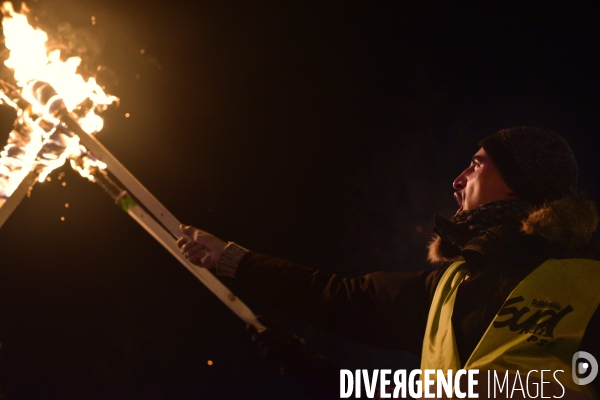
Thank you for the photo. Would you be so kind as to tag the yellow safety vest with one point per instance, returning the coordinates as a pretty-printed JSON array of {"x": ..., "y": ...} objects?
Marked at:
[{"x": 539, "y": 327}]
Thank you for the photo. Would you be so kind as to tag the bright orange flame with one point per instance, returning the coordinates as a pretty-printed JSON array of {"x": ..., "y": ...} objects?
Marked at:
[{"x": 33, "y": 64}]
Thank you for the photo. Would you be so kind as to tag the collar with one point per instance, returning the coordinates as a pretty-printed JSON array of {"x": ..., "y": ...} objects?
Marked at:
[{"x": 458, "y": 240}]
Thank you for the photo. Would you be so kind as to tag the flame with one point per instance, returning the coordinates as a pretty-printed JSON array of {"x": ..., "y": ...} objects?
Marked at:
[
  {"x": 32, "y": 62},
  {"x": 43, "y": 79}
]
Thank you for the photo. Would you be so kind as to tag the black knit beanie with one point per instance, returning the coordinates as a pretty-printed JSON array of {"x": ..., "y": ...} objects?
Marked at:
[{"x": 537, "y": 164}]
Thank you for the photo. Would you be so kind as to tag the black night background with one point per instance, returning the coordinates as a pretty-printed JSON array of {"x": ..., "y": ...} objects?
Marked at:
[{"x": 327, "y": 133}]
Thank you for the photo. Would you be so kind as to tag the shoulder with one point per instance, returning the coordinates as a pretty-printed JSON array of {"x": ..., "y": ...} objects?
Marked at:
[{"x": 569, "y": 222}]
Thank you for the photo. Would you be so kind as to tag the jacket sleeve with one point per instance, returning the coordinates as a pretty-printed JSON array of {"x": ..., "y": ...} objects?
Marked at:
[{"x": 382, "y": 309}]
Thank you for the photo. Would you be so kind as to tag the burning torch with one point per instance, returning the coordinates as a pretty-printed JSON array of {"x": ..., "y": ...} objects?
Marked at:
[{"x": 56, "y": 119}]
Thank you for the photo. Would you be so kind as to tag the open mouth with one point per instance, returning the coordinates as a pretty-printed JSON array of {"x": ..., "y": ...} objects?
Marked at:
[{"x": 458, "y": 198}]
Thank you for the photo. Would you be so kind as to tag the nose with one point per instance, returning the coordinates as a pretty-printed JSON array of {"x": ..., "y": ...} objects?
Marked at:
[{"x": 460, "y": 182}]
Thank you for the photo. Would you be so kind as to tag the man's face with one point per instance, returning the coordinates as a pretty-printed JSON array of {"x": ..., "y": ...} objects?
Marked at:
[{"x": 480, "y": 183}]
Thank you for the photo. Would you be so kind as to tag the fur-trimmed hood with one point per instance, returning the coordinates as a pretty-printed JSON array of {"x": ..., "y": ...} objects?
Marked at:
[{"x": 569, "y": 222}]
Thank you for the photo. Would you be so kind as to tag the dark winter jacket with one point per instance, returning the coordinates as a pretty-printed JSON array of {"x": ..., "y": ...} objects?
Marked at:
[{"x": 389, "y": 309}]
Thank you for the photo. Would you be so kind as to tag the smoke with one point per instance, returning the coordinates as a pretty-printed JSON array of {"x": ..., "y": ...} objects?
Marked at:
[{"x": 76, "y": 42}]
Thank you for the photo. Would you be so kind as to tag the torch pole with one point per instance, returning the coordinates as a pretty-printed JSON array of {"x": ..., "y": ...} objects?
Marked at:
[
  {"x": 163, "y": 236},
  {"x": 164, "y": 227},
  {"x": 14, "y": 199},
  {"x": 133, "y": 186}
]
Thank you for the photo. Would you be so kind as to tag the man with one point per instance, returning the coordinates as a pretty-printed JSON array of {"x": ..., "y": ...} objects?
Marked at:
[{"x": 518, "y": 288}]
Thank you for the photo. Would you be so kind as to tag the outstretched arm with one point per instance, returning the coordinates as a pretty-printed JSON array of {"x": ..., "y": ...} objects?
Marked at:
[{"x": 379, "y": 309}]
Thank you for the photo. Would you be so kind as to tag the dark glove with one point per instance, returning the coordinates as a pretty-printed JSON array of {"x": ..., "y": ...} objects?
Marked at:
[
  {"x": 288, "y": 351},
  {"x": 318, "y": 376}
]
